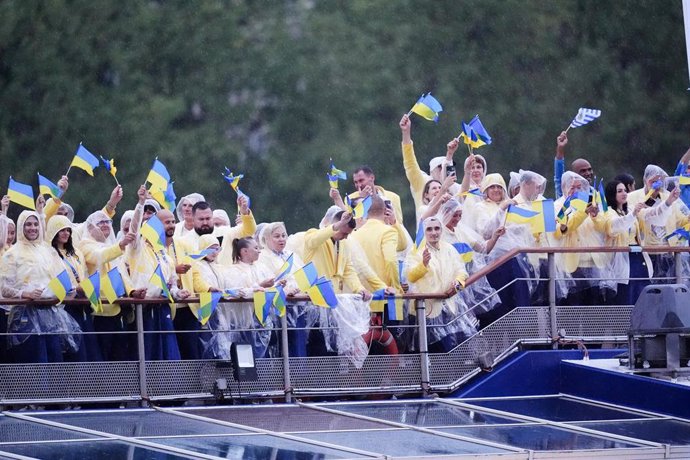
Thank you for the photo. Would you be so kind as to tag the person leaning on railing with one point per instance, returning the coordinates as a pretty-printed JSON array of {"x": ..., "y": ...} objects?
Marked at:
[
  {"x": 620, "y": 226},
  {"x": 26, "y": 270},
  {"x": 663, "y": 214},
  {"x": 437, "y": 268}
]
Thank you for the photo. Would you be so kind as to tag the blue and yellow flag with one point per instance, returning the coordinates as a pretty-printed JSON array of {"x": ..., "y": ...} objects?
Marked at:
[
  {"x": 209, "y": 303},
  {"x": 474, "y": 133},
  {"x": 158, "y": 280},
  {"x": 61, "y": 285},
  {"x": 280, "y": 301},
  {"x": 655, "y": 186},
  {"x": 378, "y": 301},
  {"x": 602, "y": 196},
  {"x": 427, "y": 107},
  {"x": 263, "y": 301},
  {"x": 361, "y": 209},
  {"x": 234, "y": 182},
  {"x": 683, "y": 233},
  {"x": 231, "y": 294},
  {"x": 578, "y": 200},
  {"x": 334, "y": 174},
  {"x": 202, "y": 254},
  {"x": 474, "y": 191},
  {"x": 47, "y": 187},
  {"x": 92, "y": 290},
  {"x": 285, "y": 268},
  {"x": 85, "y": 160},
  {"x": 545, "y": 222},
  {"x": 154, "y": 232},
  {"x": 112, "y": 285},
  {"x": 323, "y": 294},
  {"x": 158, "y": 177},
  {"x": 165, "y": 198},
  {"x": 465, "y": 251},
  {"x": 109, "y": 166},
  {"x": 518, "y": 215},
  {"x": 21, "y": 194},
  {"x": 306, "y": 276},
  {"x": 395, "y": 308},
  {"x": 420, "y": 239}
]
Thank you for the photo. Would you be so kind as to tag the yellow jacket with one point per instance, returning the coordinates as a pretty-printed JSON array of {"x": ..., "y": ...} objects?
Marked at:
[
  {"x": 658, "y": 221},
  {"x": 330, "y": 259},
  {"x": 379, "y": 242}
]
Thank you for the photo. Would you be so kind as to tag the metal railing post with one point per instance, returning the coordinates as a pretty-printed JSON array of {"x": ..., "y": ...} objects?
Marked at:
[
  {"x": 679, "y": 268},
  {"x": 420, "y": 308},
  {"x": 141, "y": 352},
  {"x": 286, "y": 358},
  {"x": 551, "y": 259}
]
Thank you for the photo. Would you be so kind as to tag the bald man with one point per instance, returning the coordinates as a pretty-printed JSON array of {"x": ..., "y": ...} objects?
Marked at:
[{"x": 579, "y": 166}]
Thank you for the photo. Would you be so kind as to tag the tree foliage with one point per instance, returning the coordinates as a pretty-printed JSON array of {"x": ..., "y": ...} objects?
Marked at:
[{"x": 274, "y": 89}]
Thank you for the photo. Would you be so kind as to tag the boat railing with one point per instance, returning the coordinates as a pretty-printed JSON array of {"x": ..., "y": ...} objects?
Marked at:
[{"x": 415, "y": 371}]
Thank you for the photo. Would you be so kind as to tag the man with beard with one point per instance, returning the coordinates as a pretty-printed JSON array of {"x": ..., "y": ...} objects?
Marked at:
[{"x": 143, "y": 261}]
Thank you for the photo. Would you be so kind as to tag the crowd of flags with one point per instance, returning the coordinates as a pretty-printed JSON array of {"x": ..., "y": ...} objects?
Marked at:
[{"x": 540, "y": 217}]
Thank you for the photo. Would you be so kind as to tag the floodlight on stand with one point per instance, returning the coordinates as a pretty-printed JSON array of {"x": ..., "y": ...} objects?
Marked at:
[{"x": 243, "y": 366}]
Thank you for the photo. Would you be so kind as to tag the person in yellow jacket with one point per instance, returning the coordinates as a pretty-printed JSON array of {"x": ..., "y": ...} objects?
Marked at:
[
  {"x": 439, "y": 167},
  {"x": 144, "y": 260},
  {"x": 437, "y": 269},
  {"x": 102, "y": 253},
  {"x": 663, "y": 215},
  {"x": 620, "y": 226},
  {"x": 590, "y": 272},
  {"x": 328, "y": 249},
  {"x": 26, "y": 270},
  {"x": 365, "y": 183}
]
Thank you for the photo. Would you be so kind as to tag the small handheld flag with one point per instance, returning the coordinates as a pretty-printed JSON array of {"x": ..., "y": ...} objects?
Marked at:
[
  {"x": 202, "y": 254},
  {"x": 427, "y": 107},
  {"x": 158, "y": 279},
  {"x": 209, "y": 303},
  {"x": 602, "y": 196},
  {"x": 158, "y": 177},
  {"x": 47, "y": 187},
  {"x": 465, "y": 251},
  {"x": 61, "y": 285},
  {"x": 165, "y": 198},
  {"x": 112, "y": 285},
  {"x": 420, "y": 239},
  {"x": 154, "y": 232},
  {"x": 85, "y": 160},
  {"x": 306, "y": 276},
  {"x": 234, "y": 182},
  {"x": 323, "y": 294},
  {"x": 334, "y": 174},
  {"x": 285, "y": 268},
  {"x": 474, "y": 133},
  {"x": 92, "y": 290},
  {"x": 583, "y": 117},
  {"x": 21, "y": 194},
  {"x": 655, "y": 186},
  {"x": 109, "y": 165},
  {"x": 361, "y": 209}
]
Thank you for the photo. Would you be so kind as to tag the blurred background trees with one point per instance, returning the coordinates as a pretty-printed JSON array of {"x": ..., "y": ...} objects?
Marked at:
[{"x": 273, "y": 89}]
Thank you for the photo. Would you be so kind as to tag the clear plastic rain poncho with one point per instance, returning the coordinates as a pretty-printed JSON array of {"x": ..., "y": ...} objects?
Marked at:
[
  {"x": 66, "y": 210},
  {"x": 192, "y": 199},
  {"x": 224, "y": 219},
  {"x": 489, "y": 217},
  {"x": 532, "y": 186},
  {"x": 297, "y": 313},
  {"x": 125, "y": 220},
  {"x": 96, "y": 238},
  {"x": 246, "y": 277},
  {"x": 451, "y": 319},
  {"x": 590, "y": 269},
  {"x": 480, "y": 296},
  {"x": 343, "y": 327},
  {"x": 4, "y": 225},
  {"x": 30, "y": 265},
  {"x": 513, "y": 184}
]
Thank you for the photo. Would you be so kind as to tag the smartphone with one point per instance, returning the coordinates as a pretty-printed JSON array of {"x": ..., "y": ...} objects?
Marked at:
[
  {"x": 388, "y": 204},
  {"x": 450, "y": 170},
  {"x": 671, "y": 183}
]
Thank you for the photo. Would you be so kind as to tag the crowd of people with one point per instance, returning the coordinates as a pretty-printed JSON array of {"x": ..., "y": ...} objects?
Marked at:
[{"x": 463, "y": 225}]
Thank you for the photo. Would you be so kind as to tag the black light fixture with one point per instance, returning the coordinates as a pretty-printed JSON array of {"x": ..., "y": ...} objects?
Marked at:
[{"x": 243, "y": 366}]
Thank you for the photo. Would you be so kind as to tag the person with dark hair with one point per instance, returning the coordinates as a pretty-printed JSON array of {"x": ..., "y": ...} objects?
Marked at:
[
  {"x": 579, "y": 166},
  {"x": 365, "y": 183},
  {"x": 627, "y": 179},
  {"x": 59, "y": 235},
  {"x": 620, "y": 226},
  {"x": 331, "y": 255},
  {"x": 250, "y": 276}
]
